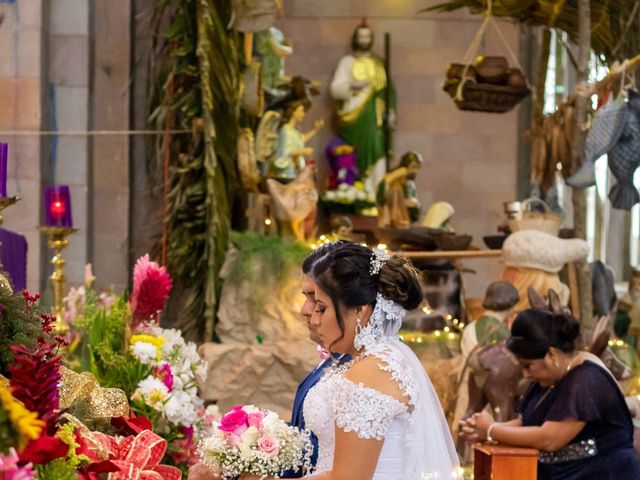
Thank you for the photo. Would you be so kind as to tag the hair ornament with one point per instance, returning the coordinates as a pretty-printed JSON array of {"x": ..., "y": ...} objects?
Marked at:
[{"x": 378, "y": 259}]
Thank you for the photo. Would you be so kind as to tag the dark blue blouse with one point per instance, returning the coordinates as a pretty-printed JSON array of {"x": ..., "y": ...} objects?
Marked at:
[{"x": 604, "y": 447}]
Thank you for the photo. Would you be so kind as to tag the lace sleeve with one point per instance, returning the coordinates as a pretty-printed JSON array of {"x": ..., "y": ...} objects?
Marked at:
[{"x": 364, "y": 410}]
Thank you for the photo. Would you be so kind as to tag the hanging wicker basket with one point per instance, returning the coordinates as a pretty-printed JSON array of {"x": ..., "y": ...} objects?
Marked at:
[
  {"x": 485, "y": 97},
  {"x": 545, "y": 221}
]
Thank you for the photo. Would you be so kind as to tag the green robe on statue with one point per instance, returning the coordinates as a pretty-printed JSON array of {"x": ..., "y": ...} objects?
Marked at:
[{"x": 361, "y": 113}]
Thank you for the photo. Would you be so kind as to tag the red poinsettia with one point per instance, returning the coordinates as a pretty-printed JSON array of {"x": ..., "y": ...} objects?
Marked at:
[
  {"x": 136, "y": 456},
  {"x": 151, "y": 287}
]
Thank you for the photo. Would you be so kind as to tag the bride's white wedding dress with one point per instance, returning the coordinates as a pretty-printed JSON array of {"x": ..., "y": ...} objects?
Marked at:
[{"x": 417, "y": 442}]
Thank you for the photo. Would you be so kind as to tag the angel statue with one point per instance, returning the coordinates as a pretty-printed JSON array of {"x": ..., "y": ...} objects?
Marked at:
[{"x": 291, "y": 171}]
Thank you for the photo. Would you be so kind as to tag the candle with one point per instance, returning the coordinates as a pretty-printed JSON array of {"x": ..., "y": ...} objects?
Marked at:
[
  {"x": 4, "y": 154},
  {"x": 57, "y": 206}
]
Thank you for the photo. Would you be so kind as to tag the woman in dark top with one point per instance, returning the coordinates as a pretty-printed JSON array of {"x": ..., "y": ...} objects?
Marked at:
[{"x": 574, "y": 411}]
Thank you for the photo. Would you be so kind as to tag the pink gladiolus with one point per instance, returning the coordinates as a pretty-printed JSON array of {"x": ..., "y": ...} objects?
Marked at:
[{"x": 151, "y": 287}]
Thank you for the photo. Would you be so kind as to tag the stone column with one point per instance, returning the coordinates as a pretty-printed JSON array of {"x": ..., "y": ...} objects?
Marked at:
[
  {"x": 21, "y": 87},
  {"x": 109, "y": 177}
]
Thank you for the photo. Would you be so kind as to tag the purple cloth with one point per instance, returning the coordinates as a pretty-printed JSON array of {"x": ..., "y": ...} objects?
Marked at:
[{"x": 13, "y": 254}]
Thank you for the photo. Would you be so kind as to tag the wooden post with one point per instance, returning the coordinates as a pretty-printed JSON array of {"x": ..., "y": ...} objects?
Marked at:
[
  {"x": 500, "y": 462},
  {"x": 578, "y": 196}
]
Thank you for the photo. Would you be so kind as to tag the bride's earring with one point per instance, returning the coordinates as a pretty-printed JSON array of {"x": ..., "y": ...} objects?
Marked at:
[
  {"x": 358, "y": 327},
  {"x": 357, "y": 341}
]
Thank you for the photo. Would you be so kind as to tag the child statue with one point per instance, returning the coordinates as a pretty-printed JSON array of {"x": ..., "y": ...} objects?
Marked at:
[{"x": 397, "y": 199}]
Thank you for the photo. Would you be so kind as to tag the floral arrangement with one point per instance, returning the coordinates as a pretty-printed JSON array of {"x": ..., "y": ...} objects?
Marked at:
[
  {"x": 348, "y": 199},
  {"x": 169, "y": 393},
  {"x": 34, "y": 442},
  {"x": 248, "y": 440},
  {"x": 123, "y": 347}
]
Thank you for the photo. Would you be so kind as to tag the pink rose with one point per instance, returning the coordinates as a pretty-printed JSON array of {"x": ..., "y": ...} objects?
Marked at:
[
  {"x": 255, "y": 419},
  {"x": 232, "y": 439},
  {"x": 235, "y": 421},
  {"x": 268, "y": 446}
]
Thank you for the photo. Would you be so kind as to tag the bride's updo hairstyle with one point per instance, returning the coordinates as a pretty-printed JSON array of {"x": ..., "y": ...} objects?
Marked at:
[
  {"x": 345, "y": 275},
  {"x": 534, "y": 331}
]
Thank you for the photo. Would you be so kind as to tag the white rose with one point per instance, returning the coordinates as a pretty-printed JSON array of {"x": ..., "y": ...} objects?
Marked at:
[
  {"x": 250, "y": 409},
  {"x": 360, "y": 195},
  {"x": 330, "y": 195},
  {"x": 249, "y": 437},
  {"x": 270, "y": 420},
  {"x": 246, "y": 453}
]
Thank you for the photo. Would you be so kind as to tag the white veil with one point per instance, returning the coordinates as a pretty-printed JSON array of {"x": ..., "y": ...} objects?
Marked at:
[{"x": 431, "y": 453}]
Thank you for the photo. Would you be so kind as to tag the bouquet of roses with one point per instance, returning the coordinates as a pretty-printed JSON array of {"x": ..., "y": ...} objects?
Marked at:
[{"x": 248, "y": 440}]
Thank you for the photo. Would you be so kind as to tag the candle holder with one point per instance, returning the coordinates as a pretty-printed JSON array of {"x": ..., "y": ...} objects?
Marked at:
[
  {"x": 7, "y": 202},
  {"x": 58, "y": 241}
]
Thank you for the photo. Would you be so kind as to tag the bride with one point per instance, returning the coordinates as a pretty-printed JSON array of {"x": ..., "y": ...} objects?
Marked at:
[{"x": 378, "y": 416}]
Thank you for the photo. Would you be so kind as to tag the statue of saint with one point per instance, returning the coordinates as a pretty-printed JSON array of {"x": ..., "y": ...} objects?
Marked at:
[
  {"x": 398, "y": 204},
  {"x": 359, "y": 85}
]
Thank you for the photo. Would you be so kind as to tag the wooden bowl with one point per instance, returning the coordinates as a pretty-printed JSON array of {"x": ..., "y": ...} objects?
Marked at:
[
  {"x": 494, "y": 242},
  {"x": 453, "y": 242}
]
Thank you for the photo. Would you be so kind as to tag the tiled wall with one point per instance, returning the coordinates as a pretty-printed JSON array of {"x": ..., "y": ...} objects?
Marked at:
[{"x": 21, "y": 109}]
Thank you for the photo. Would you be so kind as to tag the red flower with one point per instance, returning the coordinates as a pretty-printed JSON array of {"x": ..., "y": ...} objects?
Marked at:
[
  {"x": 151, "y": 287},
  {"x": 136, "y": 457},
  {"x": 132, "y": 425},
  {"x": 35, "y": 378},
  {"x": 44, "y": 449}
]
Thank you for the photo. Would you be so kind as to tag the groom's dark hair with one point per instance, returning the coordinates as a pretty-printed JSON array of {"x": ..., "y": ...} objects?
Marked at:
[{"x": 322, "y": 250}]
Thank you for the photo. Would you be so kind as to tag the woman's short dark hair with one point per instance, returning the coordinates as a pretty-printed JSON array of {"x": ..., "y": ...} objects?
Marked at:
[
  {"x": 534, "y": 331},
  {"x": 345, "y": 274}
]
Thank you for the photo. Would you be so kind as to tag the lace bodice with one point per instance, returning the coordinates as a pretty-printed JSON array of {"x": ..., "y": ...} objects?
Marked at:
[{"x": 352, "y": 407}]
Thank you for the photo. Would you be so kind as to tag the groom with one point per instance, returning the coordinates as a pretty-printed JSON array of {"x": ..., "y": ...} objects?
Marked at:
[
  {"x": 202, "y": 472},
  {"x": 307, "y": 310}
]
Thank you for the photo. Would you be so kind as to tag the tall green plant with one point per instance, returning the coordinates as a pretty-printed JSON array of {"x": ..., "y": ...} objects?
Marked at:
[{"x": 196, "y": 80}]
